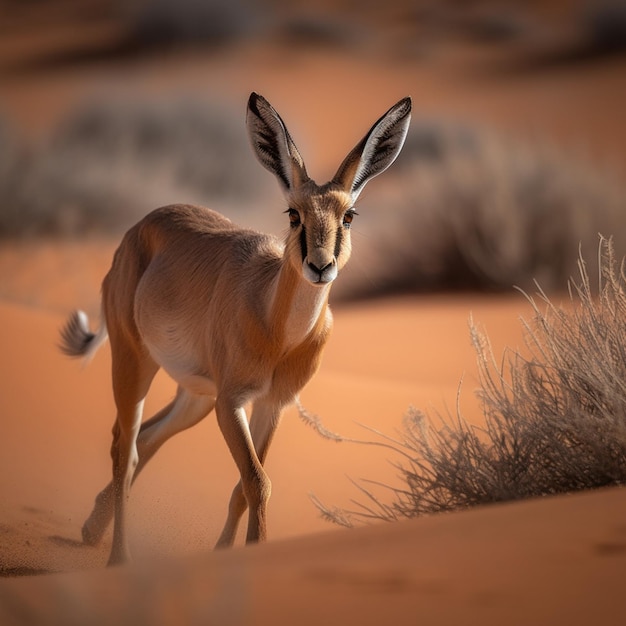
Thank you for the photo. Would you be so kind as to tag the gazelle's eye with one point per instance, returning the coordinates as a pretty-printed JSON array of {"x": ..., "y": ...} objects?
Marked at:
[
  {"x": 294, "y": 217},
  {"x": 348, "y": 217}
]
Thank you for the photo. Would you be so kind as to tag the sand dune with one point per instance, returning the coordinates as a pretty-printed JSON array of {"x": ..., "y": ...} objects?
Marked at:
[
  {"x": 541, "y": 562},
  {"x": 556, "y": 561}
]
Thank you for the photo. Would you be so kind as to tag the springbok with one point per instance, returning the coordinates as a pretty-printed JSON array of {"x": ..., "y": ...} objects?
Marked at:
[{"x": 232, "y": 315}]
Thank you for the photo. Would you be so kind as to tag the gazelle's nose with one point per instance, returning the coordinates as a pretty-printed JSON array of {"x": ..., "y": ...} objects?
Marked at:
[{"x": 320, "y": 270}]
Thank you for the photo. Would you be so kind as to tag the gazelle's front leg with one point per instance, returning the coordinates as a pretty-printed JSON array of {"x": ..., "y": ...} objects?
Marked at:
[{"x": 263, "y": 424}]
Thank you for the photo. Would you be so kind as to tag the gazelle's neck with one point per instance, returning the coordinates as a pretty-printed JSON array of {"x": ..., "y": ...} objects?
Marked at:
[{"x": 295, "y": 306}]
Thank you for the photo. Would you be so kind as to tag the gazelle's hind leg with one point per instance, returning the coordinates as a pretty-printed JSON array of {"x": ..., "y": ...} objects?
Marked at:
[
  {"x": 183, "y": 412},
  {"x": 263, "y": 424},
  {"x": 133, "y": 371}
]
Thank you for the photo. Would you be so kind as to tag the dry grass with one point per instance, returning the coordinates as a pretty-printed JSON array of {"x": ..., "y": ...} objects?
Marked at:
[{"x": 555, "y": 416}]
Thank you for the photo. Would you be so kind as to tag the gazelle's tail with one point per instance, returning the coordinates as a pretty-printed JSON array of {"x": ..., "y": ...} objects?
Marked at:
[{"x": 77, "y": 340}]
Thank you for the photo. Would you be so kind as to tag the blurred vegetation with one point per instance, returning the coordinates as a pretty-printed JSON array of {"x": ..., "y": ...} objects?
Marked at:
[
  {"x": 465, "y": 209},
  {"x": 113, "y": 160},
  {"x": 555, "y": 415},
  {"x": 158, "y": 22},
  {"x": 526, "y": 31},
  {"x": 460, "y": 209},
  {"x": 605, "y": 25},
  {"x": 597, "y": 27}
]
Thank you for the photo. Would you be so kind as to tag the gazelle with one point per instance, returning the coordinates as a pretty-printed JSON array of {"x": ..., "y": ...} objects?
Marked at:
[{"x": 232, "y": 315}]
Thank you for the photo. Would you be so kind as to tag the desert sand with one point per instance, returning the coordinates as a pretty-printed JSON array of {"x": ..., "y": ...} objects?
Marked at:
[
  {"x": 512, "y": 564},
  {"x": 552, "y": 561},
  {"x": 557, "y": 560}
]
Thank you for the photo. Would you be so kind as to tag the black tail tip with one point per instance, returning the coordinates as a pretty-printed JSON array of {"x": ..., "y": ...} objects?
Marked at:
[{"x": 75, "y": 335}]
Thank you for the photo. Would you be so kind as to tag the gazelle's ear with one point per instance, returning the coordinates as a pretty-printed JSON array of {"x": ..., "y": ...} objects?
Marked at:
[
  {"x": 272, "y": 143},
  {"x": 377, "y": 150}
]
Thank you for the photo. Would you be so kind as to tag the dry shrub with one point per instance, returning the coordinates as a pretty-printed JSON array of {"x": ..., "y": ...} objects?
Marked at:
[{"x": 555, "y": 417}]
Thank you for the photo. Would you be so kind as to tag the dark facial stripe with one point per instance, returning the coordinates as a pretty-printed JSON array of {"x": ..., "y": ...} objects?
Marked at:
[
  {"x": 303, "y": 247},
  {"x": 338, "y": 241}
]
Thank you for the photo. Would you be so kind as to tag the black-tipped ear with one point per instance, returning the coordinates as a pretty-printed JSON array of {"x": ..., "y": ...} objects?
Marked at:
[
  {"x": 272, "y": 143},
  {"x": 377, "y": 150}
]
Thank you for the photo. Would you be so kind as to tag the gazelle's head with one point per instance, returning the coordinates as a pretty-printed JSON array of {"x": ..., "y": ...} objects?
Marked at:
[{"x": 320, "y": 216}]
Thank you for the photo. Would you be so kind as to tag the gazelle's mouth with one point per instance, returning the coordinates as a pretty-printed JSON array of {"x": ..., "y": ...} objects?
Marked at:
[{"x": 319, "y": 276}]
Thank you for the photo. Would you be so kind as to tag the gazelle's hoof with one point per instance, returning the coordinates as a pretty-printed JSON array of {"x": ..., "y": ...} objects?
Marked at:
[{"x": 118, "y": 559}]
